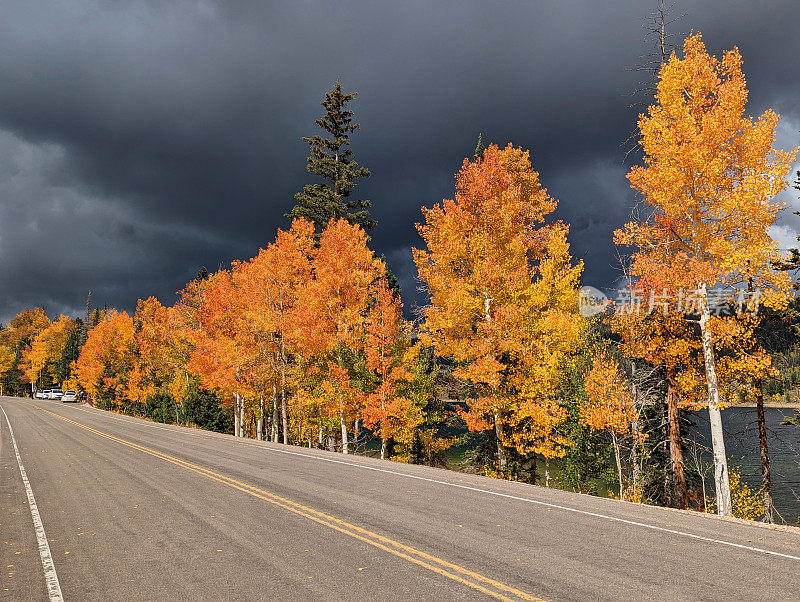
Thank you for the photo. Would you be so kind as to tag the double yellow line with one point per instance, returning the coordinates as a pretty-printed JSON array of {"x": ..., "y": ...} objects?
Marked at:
[{"x": 471, "y": 579}]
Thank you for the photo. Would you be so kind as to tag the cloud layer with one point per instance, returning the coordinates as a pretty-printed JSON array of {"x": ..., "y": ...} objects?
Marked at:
[{"x": 140, "y": 140}]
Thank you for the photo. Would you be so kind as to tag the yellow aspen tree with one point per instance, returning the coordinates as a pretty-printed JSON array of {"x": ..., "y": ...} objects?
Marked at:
[
  {"x": 610, "y": 405},
  {"x": 709, "y": 176},
  {"x": 6, "y": 363},
  {"x": 501, "y": 286}
]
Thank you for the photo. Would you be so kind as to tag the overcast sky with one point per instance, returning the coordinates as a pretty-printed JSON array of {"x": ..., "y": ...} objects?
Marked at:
[{"x": 140, "y": 139}]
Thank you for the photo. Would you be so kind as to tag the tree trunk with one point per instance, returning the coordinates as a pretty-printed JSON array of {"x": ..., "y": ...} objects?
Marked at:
[
  {"x": 275, "y": 419},
  {"x": 342, "y": 421},
  {"x": 260, "y": 423},
  {"x": 676, "y": 450},
  {"x": 241, "y": 416},
  {"x": 237, "y": 427},
  {"x": 383, "y": 448},
  {"x": 721, "y": 480},
  {"x": 319, "y": 440},
  {"x": 498, "y": 433},
  {"x": 635, "y": 429},
  {"x": 766, "y": 474},
  {"x": 546, "y": 471},
  {"x": 345, "y": 448},
  {"x": 283, "y": 402},
  {"x": 619, "y": 464}
]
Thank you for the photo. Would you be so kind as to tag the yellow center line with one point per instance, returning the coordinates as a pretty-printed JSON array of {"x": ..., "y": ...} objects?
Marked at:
[{"x": 418, "y": 557}]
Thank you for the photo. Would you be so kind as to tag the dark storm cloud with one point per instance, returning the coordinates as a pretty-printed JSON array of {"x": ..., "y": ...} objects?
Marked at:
[{"x": 140, "y": 140}]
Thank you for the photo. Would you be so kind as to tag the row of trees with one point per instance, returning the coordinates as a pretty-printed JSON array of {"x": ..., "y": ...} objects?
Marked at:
[{"x": 306, "y": 342}]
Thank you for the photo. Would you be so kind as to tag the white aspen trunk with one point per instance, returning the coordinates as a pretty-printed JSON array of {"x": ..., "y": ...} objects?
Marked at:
[
  {"x": 345, "y": 448},
  {"x": 498, "y": 433},
  {"x": 284, "y": 417},
  {"x": 320, "y": 440},
  {"x": 236, "y": 424},
  {"x": 260, "y": 423},
  {"x": 283, "y": 391},
  {"x": 637, "y": 455},
  {"x": 546, "y": 471},
  {"x": 721, "y": 481},
  {"x": 241, "y": 416},
  {"x": 383, "y": 449},
  {"x": 274, "y": 414},
  {"x": 342, "y": 422}
]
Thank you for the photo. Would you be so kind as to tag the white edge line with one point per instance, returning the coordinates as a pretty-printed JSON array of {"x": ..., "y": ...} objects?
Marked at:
[
  {"x": 50, "y": 575},
  {"x": 486, "y": 491}
]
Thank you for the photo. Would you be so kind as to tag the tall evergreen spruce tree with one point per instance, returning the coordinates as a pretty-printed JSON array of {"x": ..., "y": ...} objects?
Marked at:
[
  {"x": 479, "y": 148},
  {"x": 332, "y": 160}
]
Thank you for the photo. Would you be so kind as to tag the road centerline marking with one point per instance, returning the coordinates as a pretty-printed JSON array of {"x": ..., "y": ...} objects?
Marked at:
[
  {"x": 503, "y": 495},
  {"x": 50, "y": 575},
  {"x": 455, "y": 573}
]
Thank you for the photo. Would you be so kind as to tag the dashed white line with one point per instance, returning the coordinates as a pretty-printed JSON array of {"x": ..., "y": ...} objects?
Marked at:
[{"x": 50, "y": 575}]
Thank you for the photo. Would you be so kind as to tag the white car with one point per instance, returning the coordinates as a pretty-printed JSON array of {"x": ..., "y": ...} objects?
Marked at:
[
  {"x": 69, "y": 396},
  {"x": 45, "y": 394},
  {"x": 55, "y": 394}
]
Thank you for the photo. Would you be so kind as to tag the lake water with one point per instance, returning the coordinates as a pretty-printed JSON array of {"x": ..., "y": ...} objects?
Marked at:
[{"x": 741, "y": 445}]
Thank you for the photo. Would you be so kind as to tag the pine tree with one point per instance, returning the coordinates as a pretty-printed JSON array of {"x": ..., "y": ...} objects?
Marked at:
[
  {"x": 87, "y": 323},
  {"x": 332, "y": 160},
  {"x": 479, "y": 148}
]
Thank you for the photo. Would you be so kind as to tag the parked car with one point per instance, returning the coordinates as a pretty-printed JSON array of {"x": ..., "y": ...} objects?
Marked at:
[
  {"x": 44, "y": 394},
  {"x": 56, "y": 394},
  {"x": 69, "y": 396}
]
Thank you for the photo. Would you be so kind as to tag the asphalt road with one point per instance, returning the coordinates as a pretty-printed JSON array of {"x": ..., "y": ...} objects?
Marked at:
[{"x": 134, "y": 510}]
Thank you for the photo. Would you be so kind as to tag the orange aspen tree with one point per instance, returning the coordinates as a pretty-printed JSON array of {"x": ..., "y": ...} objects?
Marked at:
[
  {"x": 272, "y": 288},
  {"x": 494, "y": 271},
  {"x": 223, "y": 352},
  {"x": 388, "y": 353},
  {"x": 709, "y": 176},
  {"x": 256, "y": 338},
  {"x": 329, "y": 320},
  {"x": 610, "y": 405},
  {"x": 106, "y": 357}
]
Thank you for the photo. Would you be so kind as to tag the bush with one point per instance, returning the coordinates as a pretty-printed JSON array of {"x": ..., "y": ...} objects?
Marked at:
[
  {"x": 747, "y": 504},
  {"x": 161, "y": 408},
  {"x": 205, "y": 409}
]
